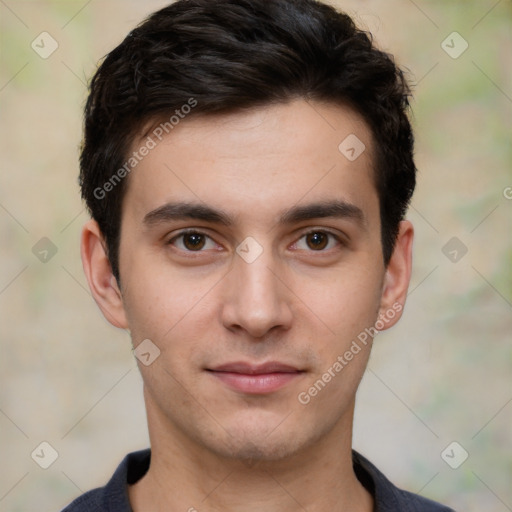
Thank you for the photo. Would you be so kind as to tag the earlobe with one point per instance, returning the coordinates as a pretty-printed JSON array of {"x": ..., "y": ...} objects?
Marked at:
[
  {"x": 398, "y": 275},
  {"x": 102, "y": 283}
]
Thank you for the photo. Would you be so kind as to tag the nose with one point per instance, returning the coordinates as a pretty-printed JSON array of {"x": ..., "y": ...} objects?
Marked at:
[{"x": 255, "y": 300}]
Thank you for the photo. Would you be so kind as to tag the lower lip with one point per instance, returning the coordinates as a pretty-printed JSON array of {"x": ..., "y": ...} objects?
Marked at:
[{"x": 255, "y": 384}]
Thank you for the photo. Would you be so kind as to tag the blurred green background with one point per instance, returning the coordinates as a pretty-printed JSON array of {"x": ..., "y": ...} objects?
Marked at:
[{"x": 443, "y": 374}]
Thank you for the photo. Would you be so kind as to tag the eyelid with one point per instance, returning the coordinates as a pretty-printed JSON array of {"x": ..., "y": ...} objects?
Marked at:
[
  {"x": 340, "y": 239},
  {"x": 188, "y": 231},
  {"x": 338, "y": 236}
]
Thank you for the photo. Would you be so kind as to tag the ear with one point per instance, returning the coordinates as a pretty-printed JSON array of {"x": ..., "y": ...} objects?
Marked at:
[
  {"x": 98, "y": 271},
  {"x": 397, "y": 277}
]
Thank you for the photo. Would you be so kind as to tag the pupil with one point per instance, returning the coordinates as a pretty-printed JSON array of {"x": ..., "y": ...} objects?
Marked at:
[
  {"x": 317, "y": 240},
  {"x": 194, "y": 241}
]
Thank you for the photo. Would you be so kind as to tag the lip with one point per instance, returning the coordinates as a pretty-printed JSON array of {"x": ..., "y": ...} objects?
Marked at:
[{"x": 255, "y": 379}]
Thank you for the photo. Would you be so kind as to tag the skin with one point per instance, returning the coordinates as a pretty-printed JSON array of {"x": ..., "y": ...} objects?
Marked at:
[{"x": 300, "y": 302}]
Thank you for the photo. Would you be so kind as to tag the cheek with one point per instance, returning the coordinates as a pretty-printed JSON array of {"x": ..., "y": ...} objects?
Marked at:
[
  {"x": 349, "y": 310},
  {"x": 152, "y": 306},
  {"x": 166, "y": 307},
  {"x": 347, "y": 301}
]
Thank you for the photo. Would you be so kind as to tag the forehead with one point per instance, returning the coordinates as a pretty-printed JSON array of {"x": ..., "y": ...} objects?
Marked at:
[{"x": 256, "y": 163}]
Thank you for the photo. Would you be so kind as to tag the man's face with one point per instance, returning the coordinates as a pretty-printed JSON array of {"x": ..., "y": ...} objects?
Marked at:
[{"x": 251, "y": 256}]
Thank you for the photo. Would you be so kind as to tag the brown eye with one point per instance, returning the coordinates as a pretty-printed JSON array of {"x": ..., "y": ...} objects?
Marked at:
[
  {"x": 317, "y": 240},
  {"x": 194, "y": 241}
]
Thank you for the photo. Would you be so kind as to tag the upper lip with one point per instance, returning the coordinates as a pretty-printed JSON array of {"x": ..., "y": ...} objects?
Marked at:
[{"x": 255, "y": 369}]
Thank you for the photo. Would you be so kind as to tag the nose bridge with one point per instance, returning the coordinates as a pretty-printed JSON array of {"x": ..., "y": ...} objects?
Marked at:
[
  {"x": 257, "y": 281},
  {"x": 256, "y": 301}
]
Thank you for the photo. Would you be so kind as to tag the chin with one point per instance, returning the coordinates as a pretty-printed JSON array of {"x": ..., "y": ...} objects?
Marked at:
[
  {"x": 260, "y": 442},
  {"x": 251, "y": 451}
]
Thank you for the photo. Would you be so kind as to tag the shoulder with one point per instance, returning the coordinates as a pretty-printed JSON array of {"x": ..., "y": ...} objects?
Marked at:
[
  {"x": 414, "y": 503},
  {"x": 388, "y": 497},
  {"x": 90, "y": 501},
  {"x": 113, "y": 497}
]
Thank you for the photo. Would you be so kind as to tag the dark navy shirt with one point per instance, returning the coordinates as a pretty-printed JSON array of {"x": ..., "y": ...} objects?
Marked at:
[{"x": 114, "y": 496}]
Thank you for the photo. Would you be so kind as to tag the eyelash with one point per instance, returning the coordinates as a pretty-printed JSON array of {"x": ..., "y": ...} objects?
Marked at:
[
  {"x": 330, "y": 234},
  {"x": 188, "y": 232}
]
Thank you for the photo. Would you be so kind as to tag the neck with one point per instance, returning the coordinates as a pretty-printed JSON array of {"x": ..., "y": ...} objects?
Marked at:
[{"x": 186, "y": 476}]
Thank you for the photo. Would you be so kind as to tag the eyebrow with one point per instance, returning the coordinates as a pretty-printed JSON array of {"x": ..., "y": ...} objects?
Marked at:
[
  {"x": 336, "y": 209},
  {"x": 181, "y": 211},
  {"x": 173, "y": 211}
]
